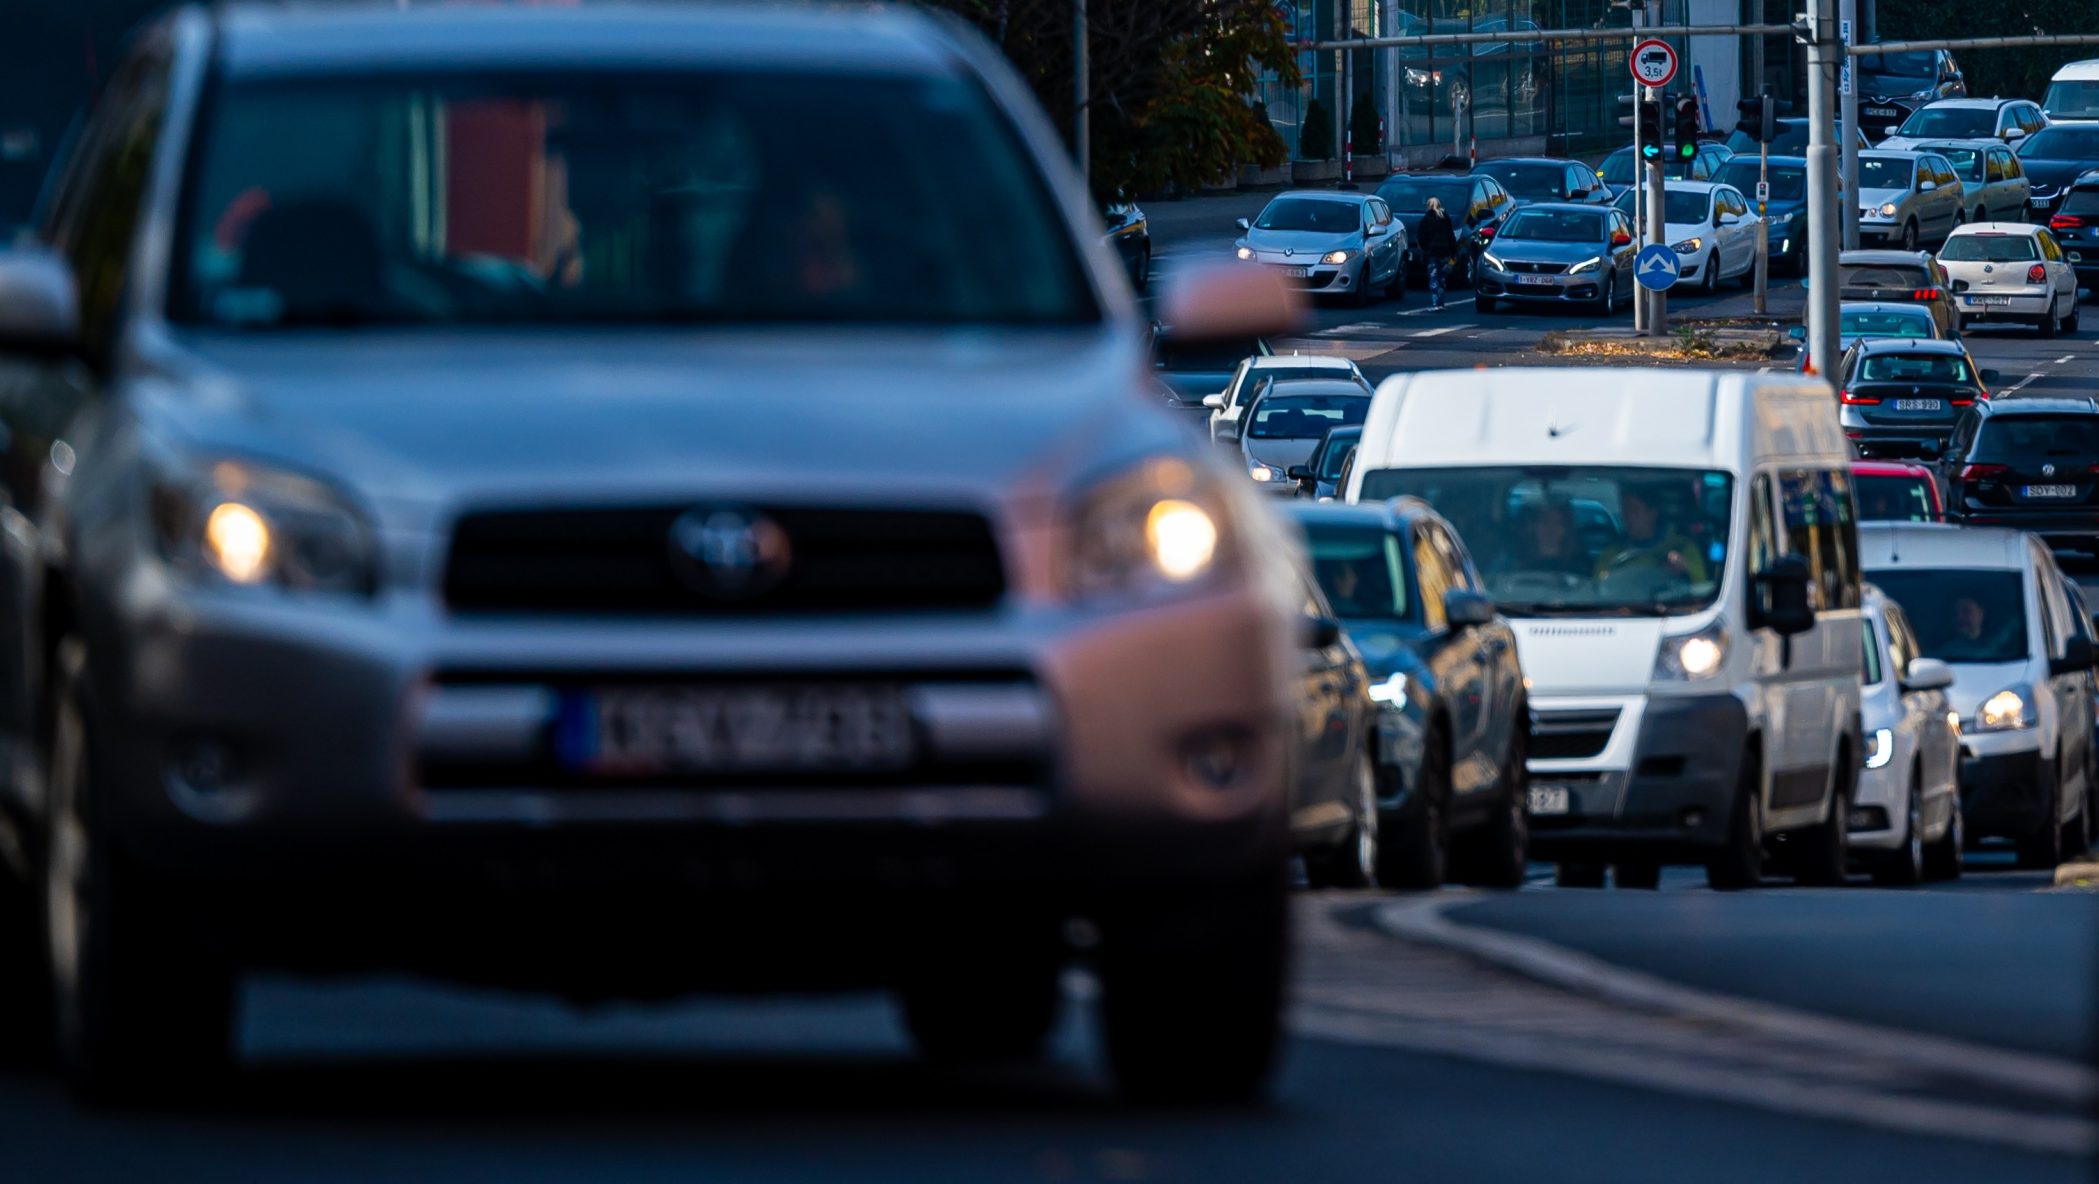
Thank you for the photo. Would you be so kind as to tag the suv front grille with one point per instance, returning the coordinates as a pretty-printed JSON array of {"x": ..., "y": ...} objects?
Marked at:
[{"x": 621, "y": 562}]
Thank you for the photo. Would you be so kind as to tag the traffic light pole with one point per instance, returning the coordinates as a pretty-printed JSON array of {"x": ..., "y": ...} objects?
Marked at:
[
  {"x": 1848, "y": 150},
  {"x": 1657, "y": 232},
  {"x": 1763, "y": 226},
  {"x": 1639, "y": 203}
]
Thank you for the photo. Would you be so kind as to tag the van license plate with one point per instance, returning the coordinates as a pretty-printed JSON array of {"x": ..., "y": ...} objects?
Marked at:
[
  {"x": 2048, "y": 491},
  {"x": 1919, "y": 405},
  {"x": 1548, "y": 799},
  {"x": 735, "y": 729}
]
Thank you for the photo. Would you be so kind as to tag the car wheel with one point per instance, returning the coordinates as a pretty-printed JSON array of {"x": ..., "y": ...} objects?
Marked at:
[
  {"x": 992, "y": 1005},
  {"x": 2050, "y": 323},
  {"x": 1943, "y": 859},
  {"x": 1397, "y": 289},
  {"x": 1497, "y": 855},
  {"x": 1740, "y": 863},
  {"x": 1904, "y": 866},
  {"x": 1822, "y": 852},
  {"x": 1360, "y": 298},
  {"x": 1909, "y": 235},
  {"x": 2043, "y": 848},
  {"x": 140, "y": 1005},
  {"x": 1578, "y": 875},
  {"x": 1643, "y": 874},
  {"x": 1192, "y": 990},
  {"x": 1709, "y": 282},
  {"x": 1415, "y": 854},
  {"x": 1608, "y": 302},
  {"x": 1352, "y": 863},
  {"x": 2072, "y": 322}
]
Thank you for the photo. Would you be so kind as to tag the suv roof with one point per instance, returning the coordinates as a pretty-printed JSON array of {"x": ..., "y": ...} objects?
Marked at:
[
  {"x": 1389, "y": 515},
  {"x": 1884, "y": 545}
]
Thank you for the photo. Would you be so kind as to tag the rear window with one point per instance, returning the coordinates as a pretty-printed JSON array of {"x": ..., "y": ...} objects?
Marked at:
[
  {"x": 2008, "y": 439},
  {"x": 1915, "y": 368},
  {"x": 1892, "y": 499},
  {"x": 1881, "y": 275},
  {"x": 1886, "y": 324},
  {"x": 2082, "y": 201},
  {"x": 1298, "y": 417},
  {"x": 1962, "y": 615},
  {"x": 1990, "y": 248}
]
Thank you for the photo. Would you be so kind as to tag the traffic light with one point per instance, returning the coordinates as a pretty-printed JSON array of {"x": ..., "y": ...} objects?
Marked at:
[
  {"x": 1759, "y": 117},
  {"x": 1650, "y": 117},
  {"x": 1687, "y": 127}
]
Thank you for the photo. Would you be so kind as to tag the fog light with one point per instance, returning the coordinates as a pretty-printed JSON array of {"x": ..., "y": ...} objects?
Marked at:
[
  {"x": 1217, "y": 759},
  {"x": 204, "y": 764}
]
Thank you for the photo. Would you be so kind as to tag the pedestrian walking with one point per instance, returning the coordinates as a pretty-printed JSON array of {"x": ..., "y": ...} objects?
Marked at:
[{"x": 1440, "y": 243}]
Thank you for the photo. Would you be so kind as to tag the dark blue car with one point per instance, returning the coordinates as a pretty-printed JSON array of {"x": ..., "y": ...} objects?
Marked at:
[{"x": 1786, "y": 211}]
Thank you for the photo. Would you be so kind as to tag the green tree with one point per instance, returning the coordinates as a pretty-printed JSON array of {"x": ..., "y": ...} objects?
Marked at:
[
  {"x": 2008, "y": 72},
  {"x": 1315, "y": 136},
  {"x": 1364, "y": 126}
]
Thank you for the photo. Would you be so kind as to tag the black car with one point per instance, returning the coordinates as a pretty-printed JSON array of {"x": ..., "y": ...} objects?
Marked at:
[
  {"x": 2027, "y": 462},
  {"x": 1618, "y": 170},
  {"x": 1453, "y": 724},
  {"x": 2076, "y": 226},
  {"x": 1899, "y": 277},
  {"x": 1892, "y": 85},
  {"x": 1130, "y": 233},
  {"x": 1320, "y": 477},
  {"x": 1476, "y": 204},
  {"x": 2054, "y": 158},
  {"x": 1786, "y": 211},
  {"x": 1546, "y": 178},
  {"x": 1901, "y": 397}
]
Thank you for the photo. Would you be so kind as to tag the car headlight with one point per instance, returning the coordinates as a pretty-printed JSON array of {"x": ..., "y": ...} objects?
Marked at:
[
  {"x": 1880, "y": 748},
  {"x": 1337, "y": 256},
  {"x": 1245, "y": 252},
  {"x": 1692, "y": 657},
  {"x": 1392, "y": 690},
  {"x": 1260, "y": 472},
  {"x": 1687, "y": 247},
  {"x": 1586, "y": 265},
  {"x": 1887, "y": 209},
  {"x": 2006, "y": 711},
  {"x": 1160, "y": 527},
  {"x": 1487, "y": 257},
  {"x": 1416, "y": 76},
  {"x": 248, "y": 525}
]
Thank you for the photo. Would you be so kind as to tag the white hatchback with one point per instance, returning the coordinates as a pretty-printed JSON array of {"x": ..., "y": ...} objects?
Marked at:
[
  {"x": 2011, "y": 271},
  {"x": 1906, "y": 819}
]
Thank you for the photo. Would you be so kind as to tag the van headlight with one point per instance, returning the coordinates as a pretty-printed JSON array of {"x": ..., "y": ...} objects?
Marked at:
[
  {"x": 1880, "y": 748},
  {"x": 248, "y": 525},
  {"x": 1692, "y": 657},
  {"x": 1158, "y": 528},
  {"x": 2006, "y": 711}
]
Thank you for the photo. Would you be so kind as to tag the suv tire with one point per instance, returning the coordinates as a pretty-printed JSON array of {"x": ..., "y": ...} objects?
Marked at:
[
  {"x": 1497, "y": 855},
  {"x": 1415, "y": 853}
]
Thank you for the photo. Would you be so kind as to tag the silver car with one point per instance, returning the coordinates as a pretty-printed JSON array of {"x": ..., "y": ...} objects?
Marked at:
[
  {"x": 579, "y": 584},
  {"x": 1906, "y": 813},
  {"x": 1329, "y": 243},
  {"x": 1559, "y": 253},
  {"x": 1907, "y": 197},
  {"x": 1993, "y": 186}
]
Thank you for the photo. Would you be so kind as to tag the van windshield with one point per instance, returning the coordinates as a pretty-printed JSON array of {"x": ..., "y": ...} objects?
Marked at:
[{"x": 1557, "y": 541}]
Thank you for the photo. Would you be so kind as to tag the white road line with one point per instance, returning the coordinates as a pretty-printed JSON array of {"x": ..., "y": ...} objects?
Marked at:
[
  {"x": 1358, "y": 327},
  {"x": 1440, "y": 332},
  {"x": 2065, "y": 359},
  {"x": 2014, "y": 388},
  {"x": 1426, "y": 309}
]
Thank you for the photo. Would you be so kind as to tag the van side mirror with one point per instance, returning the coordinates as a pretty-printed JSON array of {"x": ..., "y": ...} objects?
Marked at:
[
  {"x": 39, "y": 303},
  {"x": 1927, "y": 674},
  {"x": 1467, "y": 610},
  {"x": 2077, "y": 657},
  {"x": 1786, "y": 583},
  {"x": 1321, "y": 632}
]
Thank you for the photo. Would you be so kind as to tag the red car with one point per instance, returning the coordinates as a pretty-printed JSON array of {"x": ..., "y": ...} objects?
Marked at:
[{"x": 1895, "y": 491}]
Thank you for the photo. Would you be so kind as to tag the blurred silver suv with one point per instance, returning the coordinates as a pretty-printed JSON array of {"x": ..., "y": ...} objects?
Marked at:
[{"x": 484, "y": 497}]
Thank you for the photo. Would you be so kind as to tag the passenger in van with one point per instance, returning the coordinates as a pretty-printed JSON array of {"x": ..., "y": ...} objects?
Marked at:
[
  {"x": 1647, "y": 544},
  {"x": 1551, "y": 545}
]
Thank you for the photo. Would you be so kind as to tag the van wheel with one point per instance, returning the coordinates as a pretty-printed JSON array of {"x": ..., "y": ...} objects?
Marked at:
[
  {"x": 2044, "y": 847},
  {"x": 1416, "y": 853},
  {"x": 1497, "y": 855},
  {"x": 1943, "y": 859},
  {"x": 1904, "y": 866},
  {"x": 1740, "y": 863},
  {"x": 1824, "y": 850}
]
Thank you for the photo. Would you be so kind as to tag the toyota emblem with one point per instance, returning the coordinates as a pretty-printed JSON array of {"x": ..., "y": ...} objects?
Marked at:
[{"x": 728, "y": 552}]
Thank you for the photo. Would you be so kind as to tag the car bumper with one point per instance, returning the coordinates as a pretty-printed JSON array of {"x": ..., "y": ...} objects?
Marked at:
[
  {"x": 1879, "y": 232},
  {"x": 2003, "y": 787},
  {"x": 1883, "y": 441},
  {"x": 2018, "y": 306},
  {"x": 1667, "y": 793},
  {"x": 1341, "y": 278},
  {"x": 1880, "y": 807},
  {"x": 1556, "y": 289}
]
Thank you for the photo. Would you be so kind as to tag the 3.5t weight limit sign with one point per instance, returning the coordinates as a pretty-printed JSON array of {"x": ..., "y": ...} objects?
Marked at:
[{"x": 1653, "y": 62}]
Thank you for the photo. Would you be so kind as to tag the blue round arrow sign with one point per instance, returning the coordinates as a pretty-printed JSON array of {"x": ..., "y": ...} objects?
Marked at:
[{"x": 1655, "y": 266}]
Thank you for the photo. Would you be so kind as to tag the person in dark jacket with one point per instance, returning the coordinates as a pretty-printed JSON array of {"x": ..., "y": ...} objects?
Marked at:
[{"x": 1440, "y": 243}]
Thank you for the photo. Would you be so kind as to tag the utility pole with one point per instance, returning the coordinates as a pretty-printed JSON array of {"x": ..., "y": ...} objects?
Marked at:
[
  {"x": 1082, "y": 87},
  {"x": 1824, "y": 226},
  {"x": 1848, "y": 26},
  {"x": 1657, "y": 231}
]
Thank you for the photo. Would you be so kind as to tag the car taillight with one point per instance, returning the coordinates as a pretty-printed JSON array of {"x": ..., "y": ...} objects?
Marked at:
[
  {"x": 1967, "y": 402},
  {"x": 1846, "y": 396},
  {"x": 2036, "y": 274},
  {"x": 1486, "y": 232},
  {"x": 1926, "y": 294},
  {"x": 1983, "y": 472},
  {"x": 2067, "y": 222}
]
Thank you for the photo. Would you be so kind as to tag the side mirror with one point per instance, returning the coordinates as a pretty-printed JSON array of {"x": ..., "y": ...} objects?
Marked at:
[
  {"x": 1797, "y": 332},
  {"x": 1214, "y": 402},
  {"x": 39, "y": 304},
  {"x": 1991, "y": 376},
  {"x": 1621, "y": 239},
  {"x": 2016, "y": 133},
  {"x": 1299, "y": 472},
  {"x": 1219, "y": 301},
  {"x": 1786, "y": 580},
  {"x": 1730, "y": 220},
  {"x": 2077, "y": 657},
  {"x": 1927, "y": 674},
  {"x": 1243, "y": 223},
  {"x": 1926, "y": 186},
  {"x": 1467, "y": 610},
  {"x": 1321, "y": 633}
]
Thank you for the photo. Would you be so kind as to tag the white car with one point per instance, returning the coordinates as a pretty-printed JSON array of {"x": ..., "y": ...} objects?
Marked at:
[
  {"x": 2011, "y": 271},
  {"x": 1249, "y": 379},
  {"x": 1906, "y": 819},
  {"x": 1712, "y": 228}
]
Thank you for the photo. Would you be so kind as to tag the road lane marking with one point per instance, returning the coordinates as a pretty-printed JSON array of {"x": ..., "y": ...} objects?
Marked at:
[
  {"x": 1439, "y": 332},
  {"x": 1358, "y": 327},
  {"x": 1428, "y": 309},
  {"x": 2014, "y": 388},
  {"x": 2065, "y": 359}
]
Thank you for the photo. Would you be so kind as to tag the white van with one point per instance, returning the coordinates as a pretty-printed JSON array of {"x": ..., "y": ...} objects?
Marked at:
[
  {"x": 2073, "y": 94},
  {"x": 1677, "y": 552}
]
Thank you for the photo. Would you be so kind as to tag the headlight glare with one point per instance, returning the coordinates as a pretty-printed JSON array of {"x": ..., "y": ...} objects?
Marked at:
[
  {"x": 1152, "y": 530},
  {"x": 1246, "y": 252},
  {"x": 1887, "y": 209},
  {"x": 1880, "y": 749},
  {"x": 1688, "y": 247},
  {"x": 2007, "y": 710},
  {"x": 1586, "y": 265},
  {"x": 237, "y": 541},
  {"x": 1337, "y": 257},
  {"x": 250, "y": 526},
  {"x": 1489, "y": 259},
  {"x": 1182, "y": 537},
  {"x": 1692, "y": 657}
]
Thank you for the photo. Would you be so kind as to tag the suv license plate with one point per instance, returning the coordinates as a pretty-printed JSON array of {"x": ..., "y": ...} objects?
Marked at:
[
  {"x": 2048, "y": 491},
  {"x": 1548, "y": 799},
  {"x": 782, "y": 729},
  {"x": 1988, "y": 301},
  {"x": 1919, "y": 405}
]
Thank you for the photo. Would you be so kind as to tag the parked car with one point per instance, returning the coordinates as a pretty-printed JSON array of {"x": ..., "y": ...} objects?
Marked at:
[
  {"x": 372, "y": 606},
  {"x": 1618, "y": 169},
  {"x": 1335, "y": 751},
  {"x": 1711, "y": 228},
  {"x": 2009, "y": 120},
  {"x": 1906, "y": 821},
  {"x": 1791, "y": 139},
  {"x": 1891, "y": 85},
  {"x": 1660, "y": 735},
  {"x": 1477, "y": 206},
  {"x": 1129, "y": 232},
  {"x": 2053, "y": 159},
  {"x": 1245, "y": 384},
  {"x": 1896, "y": 491},
  {"x": 1871, "y": 320},
  {"x": 1899, "y": 277},
  {"x": 1786, "y": 210},
  {"x": 1534, "y": 179},
  {"x": 1329, "y": 243},
  {"x": 1559, "y": 254},
  {"x": 2075, "y": 225},
  {"x": 1901, "y": 396},
  {"x": 1284, "y": 425},
  {"x": 1454, "y": 725},
  {"x": 2012, "y": 271},
  {"x": 1318, "y": 478},
  {"x": 2073, "y": 94},
  {"x": 1990, "y": 604},
  {"x": 1993, "y": 186},
  {"x": 1906, "y": 198},
  {"x": 2027, "y": 463},
  {"x": 1193, "y": 370}
]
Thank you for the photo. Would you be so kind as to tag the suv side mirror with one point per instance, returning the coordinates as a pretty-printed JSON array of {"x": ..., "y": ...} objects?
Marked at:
[
  {"x": 1467, "y": 610},
  {"x": 39, "y": 304},
  {"x": 1321, "y": 632},
  {"x": 2077, "y": 657},
  {"x": 1927, "y": 674},
  {"x": 1214, "y": 402},
  {"x": 1787, "y": 580}
]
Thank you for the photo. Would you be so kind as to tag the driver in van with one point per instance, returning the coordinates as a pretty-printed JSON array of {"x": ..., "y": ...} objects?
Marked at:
[
  {"x": 1551, "y": 545},
  {"x": 1647, "y": 543}
]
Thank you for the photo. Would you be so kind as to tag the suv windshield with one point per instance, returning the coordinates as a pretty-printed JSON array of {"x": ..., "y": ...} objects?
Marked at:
[
  {"x": 2072, "y": 100},
  {"x": 1957, "y": 123},
  {"x": 1898, "y": 73},
  {"x": 646, "y": 198},
  {"x": 1555, "y": 226},
  {"x": 1553, "y": 540},
  {"x": 1962, "y": 615},
  {"x": 1362, "y": 570},
  {"x": 1990, "y": 248},
  {"x": 1310, "y": 213},
  {"x": 1892, "y": 499},
  {"x": 1788, "y": 183},
  {"x": 2061, "y": 143},
  {"x": 2012, "y": 439},
  {"x": 1881, "y": 172}
]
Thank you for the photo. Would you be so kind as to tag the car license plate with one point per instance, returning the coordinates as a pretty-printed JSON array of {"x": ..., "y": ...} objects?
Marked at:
[
  {"x": 1536, "y": 280},
  {"x": 1296, "y": 273},
  {"x": 2039, "y": 203},
  {"x": 1548, "y": 799},
  {"x": 2048, "y": 491},
  {"x": 761, "y": 729},
  {"x": 1883, "y": 111},
  {"x": 1988, "y": 301},
  {"x": 1919, "y": 405}
]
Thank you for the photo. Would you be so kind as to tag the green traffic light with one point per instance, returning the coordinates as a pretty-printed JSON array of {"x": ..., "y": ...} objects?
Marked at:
[
  {"x": 1651, "y": 151},
  {"x": 1686, "y": 151}
]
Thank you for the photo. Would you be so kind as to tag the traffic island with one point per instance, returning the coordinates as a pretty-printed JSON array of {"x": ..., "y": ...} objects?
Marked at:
[{"x": 1719, "y": 339}]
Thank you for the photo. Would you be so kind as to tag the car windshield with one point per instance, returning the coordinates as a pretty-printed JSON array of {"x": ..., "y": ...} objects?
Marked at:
[
  {"x": 1686, "y": 209},
  {"x": 1202, "y": 355},
  {"x": 1961, "y": 615},
  {"x": 1409, "y": 195},
  {"x": 1959, "y": 123},
  {"x": 1547, "y": 181},
  {"x": 1303, "y": 417},
  {"x": 1990, "y": 248},
  {"x": 1884, "y": 172},
  {"x": 1892, "y": 499},
  {"x": 1555, "y": 226},
  {"x": 1942, "y": 368},
  {"x": 1310, "y": 213},
  {"x": 2015, "y": 439},
  {"x": 1362, "y": 570},
  {"x": 2068, "y": 99},
  {"x": 2061, "y": 143},
  {"x": 565, "y": 197},
  {"x": 1877, "y": 323},
  {"x": 1334, "y": 453},
  {"x": 1880, "y": 275},
  {"x": 1788, "y": 183},
  {"x": 1898, "y": 73},
  {"x": 1554, "y": 540}
]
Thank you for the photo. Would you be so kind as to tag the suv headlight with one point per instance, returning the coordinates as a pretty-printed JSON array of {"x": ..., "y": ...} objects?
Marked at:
[
  {"x": 1337, "y": 256},
  {"x": 1156, "y": 529},
  {"x": 249, "y": 525},
  {"x": 1692, "y": 657},
  {"x": 1590, "y": 264},
  {"x": 2006, "y": 711}
]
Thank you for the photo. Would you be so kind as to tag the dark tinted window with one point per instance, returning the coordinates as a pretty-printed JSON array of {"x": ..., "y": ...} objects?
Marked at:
[
  {"x": 1990, "y": 248},
  {"x": 2083, "y": 200},
  {"x": 1556, "y": 226},
  {"x": 1409, "y": 195},
  {"x": 1882, "y": 275},
  {"x": 1892, "y": 499},
  {"x": 1871, "y": 674},
  {"x": 1881, "y": 172},
  {"x": 1538, "y": 181},
  {"x": 1310, "y": 213},
  {"x": 1296, "y": 417},
  {"x": 1362, "y": 570},
  {"x": 1961, "y": 615},
  {"x": 1334, "y": 452},
  {"x": 1618, "y": 167},
  {"x": 2006, "y": 439},
  {"x": 2061, "y": 143},
  {"x": 1944, "y": 368},
  {"x": 1819, "y": 528},
  {"x": 1879, "y": 323}
]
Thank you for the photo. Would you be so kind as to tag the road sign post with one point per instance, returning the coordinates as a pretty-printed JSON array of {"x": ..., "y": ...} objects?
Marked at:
[
  {"x": 1653, "y": 64},
  {"x": 1657, "y": 234}
]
